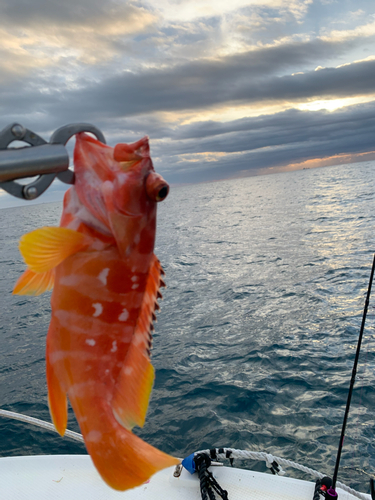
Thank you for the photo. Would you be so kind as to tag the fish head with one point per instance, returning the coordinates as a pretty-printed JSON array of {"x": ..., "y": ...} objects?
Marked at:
[{"x": 121, "y": 189}]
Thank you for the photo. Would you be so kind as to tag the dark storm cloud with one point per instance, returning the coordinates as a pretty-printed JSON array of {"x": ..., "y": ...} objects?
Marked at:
[
  {"x": 266, "y": 141},
  {"x": 252, "y": 77},
  {"x": 355, "y": 124},
  {"x": 255, "y": 143},
  {"x": 195, "y": 86},
  {"x": 253, "y": 162},
  {"x": 247, "y": 78}
]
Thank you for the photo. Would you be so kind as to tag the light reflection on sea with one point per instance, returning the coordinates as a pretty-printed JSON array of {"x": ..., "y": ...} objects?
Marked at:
[{"x": 256, "y": 338}]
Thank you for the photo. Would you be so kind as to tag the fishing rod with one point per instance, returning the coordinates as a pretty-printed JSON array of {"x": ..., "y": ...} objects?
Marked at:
[{"x": 331, "y": 492}]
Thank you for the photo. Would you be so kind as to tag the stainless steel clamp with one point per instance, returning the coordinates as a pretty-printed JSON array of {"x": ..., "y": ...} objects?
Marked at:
[{"x": 42, "y": 159}]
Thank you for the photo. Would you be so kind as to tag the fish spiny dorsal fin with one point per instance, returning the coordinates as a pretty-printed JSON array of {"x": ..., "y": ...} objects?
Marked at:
[
  {"x": 31, "y": 283},
  {"x": 46, "y": 247},
  {"x": 134, "y": 384}
]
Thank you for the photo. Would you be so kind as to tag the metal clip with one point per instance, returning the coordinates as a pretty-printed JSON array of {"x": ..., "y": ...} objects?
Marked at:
[
  {"x": 46, "y": 160},
  {"x": 177, "y": 471}
]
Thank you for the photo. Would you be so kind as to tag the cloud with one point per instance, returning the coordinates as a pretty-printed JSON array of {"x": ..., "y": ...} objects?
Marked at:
[
  {"x": 288, "y": 124},
  {"x": 140, "y": 67},
  {"x": 194, "y": 9},
  {"x": 361, "y": 31},
  {"x": 205, "y": 84},
  {"x": 47, "y": 32},
  {"x": 250, "y": 145},
  {"x": 257, "y": 76}
]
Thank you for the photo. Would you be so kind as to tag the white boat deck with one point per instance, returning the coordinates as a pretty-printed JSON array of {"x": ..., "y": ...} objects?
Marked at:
[{"x": 73, "y": 477}]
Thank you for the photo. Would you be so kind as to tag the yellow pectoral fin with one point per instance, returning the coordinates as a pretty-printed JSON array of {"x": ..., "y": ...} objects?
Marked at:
[
  {"x": 133, "y": 389},
  {"x": 45, "y": 248},
  {"x": 31, "y": 283}
]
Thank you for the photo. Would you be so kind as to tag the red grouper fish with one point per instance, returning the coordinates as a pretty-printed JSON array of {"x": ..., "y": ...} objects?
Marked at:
[{"x": 105, "y": 278}]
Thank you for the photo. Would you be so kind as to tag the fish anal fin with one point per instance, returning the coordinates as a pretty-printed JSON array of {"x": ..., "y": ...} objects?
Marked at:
[
  {"x": 57, "y": 400},
  {"x": 31, "y": 283},
  {"x": 46, "y": 247},
  {"x": 133, "y": 389}
]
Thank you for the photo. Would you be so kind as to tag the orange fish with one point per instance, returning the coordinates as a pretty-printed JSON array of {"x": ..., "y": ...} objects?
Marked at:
[{"x": 105, "y": 278}]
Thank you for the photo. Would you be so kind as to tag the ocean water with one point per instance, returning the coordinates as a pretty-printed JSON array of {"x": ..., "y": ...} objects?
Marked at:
[{"x": 257, "y": 332}]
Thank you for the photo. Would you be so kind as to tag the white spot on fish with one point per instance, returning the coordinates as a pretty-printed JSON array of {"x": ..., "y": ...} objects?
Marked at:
[
  {"x": 70, "y": 280},
  {"x": 128, "y": 370},
  {"x": 90, "y": 342},
  {"x": 133, "y": 269},
  {"x": 137, "y": 238},
  {"x": 103, "y": 275},
  {"x": 79, "y": 390},
  {"x": 138, "y": 339},
  {"x": 136, "y": 285},
  {"x": 98, "y": 309},
  {"x": 106, "y": 372},
  {"x": 124, "y": 315},
  {"x": 135, "y": 278},
  {"x": 94, "y": 436},
  {"x": 114, "y": 346}
]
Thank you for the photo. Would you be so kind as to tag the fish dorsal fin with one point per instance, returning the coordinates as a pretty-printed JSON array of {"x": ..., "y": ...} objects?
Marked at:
[
  {"x": 134, "y": 384},
  {"x": 31, "y": 283},
  {"x": 46, "y": 247}
]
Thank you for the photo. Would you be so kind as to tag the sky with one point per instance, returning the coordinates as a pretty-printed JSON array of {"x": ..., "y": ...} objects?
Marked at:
[{"x": 223, "y": 89}]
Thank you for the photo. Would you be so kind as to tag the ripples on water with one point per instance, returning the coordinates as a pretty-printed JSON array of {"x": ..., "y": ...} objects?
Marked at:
[{"x": 256, "y": 338}]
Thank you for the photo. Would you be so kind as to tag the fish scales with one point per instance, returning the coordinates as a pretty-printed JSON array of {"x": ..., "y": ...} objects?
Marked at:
[{"x": 106, "y": 282}]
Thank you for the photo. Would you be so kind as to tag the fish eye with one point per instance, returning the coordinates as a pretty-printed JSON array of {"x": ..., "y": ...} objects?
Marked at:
[
  {"x": 162, "y": 193},
  {"x": 156, "y": 187}
]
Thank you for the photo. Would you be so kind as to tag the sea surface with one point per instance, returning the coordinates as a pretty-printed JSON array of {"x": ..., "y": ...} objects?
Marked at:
[{"x": 257, "y": 332}]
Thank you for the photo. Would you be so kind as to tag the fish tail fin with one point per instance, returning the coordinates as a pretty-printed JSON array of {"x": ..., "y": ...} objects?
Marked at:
[
  {"x": 57, "y": 400},
  {"x": 123, "y": 460}
]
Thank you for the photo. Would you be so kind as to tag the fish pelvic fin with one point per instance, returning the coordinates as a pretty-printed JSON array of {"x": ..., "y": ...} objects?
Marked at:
[
  {"x": 46, "y": 247},
  {"x": 136, "y": 378},
  {"x": 57, "y": 400},
  {"x": 32, "y": 283}
]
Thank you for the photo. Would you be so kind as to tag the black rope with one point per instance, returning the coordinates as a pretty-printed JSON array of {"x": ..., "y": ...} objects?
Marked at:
[{"x": 208, "y": 484}]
